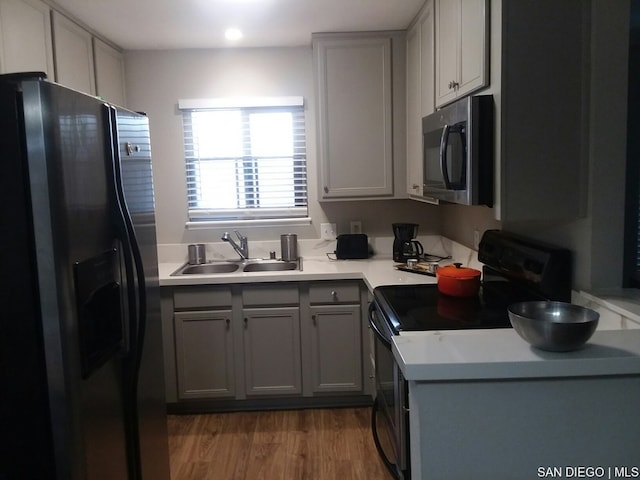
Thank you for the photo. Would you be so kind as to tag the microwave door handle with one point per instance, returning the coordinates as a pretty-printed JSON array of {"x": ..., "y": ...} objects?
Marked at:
[
  {"x": 462, "y": 181},
  {"x": 444, "y": 140}
]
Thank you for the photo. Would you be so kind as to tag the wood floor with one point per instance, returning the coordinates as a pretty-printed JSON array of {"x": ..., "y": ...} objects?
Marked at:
[{"x": 312, "y": 444}]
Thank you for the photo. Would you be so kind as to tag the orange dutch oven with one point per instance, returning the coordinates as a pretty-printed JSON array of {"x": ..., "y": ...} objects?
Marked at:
[{"x": 458, "y": 281}]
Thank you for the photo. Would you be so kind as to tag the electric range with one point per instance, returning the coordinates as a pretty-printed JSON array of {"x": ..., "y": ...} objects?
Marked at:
[{"x": 515, "y": 269}]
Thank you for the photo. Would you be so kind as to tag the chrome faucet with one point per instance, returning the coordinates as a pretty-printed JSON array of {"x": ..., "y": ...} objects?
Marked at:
[{"x": 243, "y": 248}]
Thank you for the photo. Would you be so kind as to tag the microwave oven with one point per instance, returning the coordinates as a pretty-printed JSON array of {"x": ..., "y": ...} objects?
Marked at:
[{"x": 458, "y": 152}]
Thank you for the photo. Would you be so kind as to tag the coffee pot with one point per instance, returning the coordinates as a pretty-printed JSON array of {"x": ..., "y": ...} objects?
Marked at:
[{"x": 404, "y": 245}]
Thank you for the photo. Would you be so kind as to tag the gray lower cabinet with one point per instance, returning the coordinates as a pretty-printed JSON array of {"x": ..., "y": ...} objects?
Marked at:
[
  {"x": 336, "y": 353},
  {"x": 271, "y": 339},
  {"x": 335, "y": 337},
  {"x": 236, "y": 345},
  {"x": 203, "y": 342},
  {"x": 204, "y": 354},
  {"x": 272, "y": 363}
]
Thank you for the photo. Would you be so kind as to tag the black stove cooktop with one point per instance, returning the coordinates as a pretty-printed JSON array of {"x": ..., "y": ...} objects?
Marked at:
[
  {"x": 423, "y": 307},
  {"x": 515, "y": 270}
]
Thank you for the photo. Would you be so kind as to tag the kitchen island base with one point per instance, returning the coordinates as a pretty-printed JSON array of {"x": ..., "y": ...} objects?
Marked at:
[{"x": 526, "y": 428}]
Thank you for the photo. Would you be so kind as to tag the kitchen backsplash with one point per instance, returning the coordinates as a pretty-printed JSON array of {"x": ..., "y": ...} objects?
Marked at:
[{"x": 382, "y": 248}]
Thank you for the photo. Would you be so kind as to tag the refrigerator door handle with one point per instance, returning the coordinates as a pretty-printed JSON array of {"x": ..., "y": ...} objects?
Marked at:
[
  {"x": 135, "y": 280},
  {"x": 134, "y": 249},
  {"x": 122, "y": 233}
]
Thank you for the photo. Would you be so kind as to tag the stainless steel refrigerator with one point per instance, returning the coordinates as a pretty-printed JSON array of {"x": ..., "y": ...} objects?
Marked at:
[{"x": 81, "y": 392}]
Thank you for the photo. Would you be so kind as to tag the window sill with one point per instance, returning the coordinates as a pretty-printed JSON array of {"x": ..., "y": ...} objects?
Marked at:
[{"x": 271, "y": 222}]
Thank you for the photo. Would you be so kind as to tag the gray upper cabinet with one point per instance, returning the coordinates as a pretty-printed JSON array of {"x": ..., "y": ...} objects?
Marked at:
[
  {"x": 461, "y": 43},
  {"x": 354, "y": 93},
  {"x": 25, "y": 37},
  {"x": 109, "y": 64},
  {"x": 540, "y": 63},
  {"x": 420, "y": 88},
  {"x": 74, "y": 63}
]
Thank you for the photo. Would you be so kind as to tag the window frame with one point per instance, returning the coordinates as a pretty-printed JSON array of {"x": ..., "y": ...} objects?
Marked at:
[{"x": 286, "y": 215}]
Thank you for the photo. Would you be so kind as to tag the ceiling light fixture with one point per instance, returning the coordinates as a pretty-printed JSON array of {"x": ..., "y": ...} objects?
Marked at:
[{"x": 233, "y": 34}]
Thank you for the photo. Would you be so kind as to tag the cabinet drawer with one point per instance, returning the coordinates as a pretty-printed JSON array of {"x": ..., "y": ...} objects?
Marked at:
[
  {"x": 201, "y": 296},
  {"x": 270, "y": 295},
  {"x": 334, "y": 292}
]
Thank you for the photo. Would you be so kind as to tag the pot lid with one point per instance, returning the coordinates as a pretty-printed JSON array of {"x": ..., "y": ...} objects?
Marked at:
[{"x": 458, "y": 271}]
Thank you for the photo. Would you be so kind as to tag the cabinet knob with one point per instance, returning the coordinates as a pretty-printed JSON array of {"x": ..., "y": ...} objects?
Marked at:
[
  {"x": 326, "y": 189},
  {"x": 334, "y": 295},
  {"x": 246, "y": 322},
  {"x": 313, "y": 319},
  {"x": 228, "y": 322}
]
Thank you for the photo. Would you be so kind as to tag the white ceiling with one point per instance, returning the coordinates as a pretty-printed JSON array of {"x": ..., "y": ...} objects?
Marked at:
[{"x": 169, "y": 24}]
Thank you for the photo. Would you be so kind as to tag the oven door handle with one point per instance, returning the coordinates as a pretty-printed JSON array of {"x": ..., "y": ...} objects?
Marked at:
[
  {"x": 375, "y": 328},
  {"x": 390, "y": 466}
]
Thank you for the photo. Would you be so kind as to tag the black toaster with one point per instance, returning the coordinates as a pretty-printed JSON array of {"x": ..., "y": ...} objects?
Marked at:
[{"x": 352, "y": 246}]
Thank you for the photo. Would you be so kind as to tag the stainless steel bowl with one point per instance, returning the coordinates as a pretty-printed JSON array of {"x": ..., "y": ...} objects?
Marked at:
[{"x": 553, "y": 326}]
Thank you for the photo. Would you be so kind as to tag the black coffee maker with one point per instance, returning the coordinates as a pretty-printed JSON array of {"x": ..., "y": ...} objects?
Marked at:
[{"x": 404, "y": 245}]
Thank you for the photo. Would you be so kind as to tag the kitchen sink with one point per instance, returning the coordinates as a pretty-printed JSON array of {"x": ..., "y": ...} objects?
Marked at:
[
  {"x": 250, "y": 265},
  {"x": 218, "y": 267},
  {"x": 270, "y": 266}
]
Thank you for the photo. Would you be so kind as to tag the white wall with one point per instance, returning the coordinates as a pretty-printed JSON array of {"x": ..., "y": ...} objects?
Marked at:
[{"x": 156, "y": 80}]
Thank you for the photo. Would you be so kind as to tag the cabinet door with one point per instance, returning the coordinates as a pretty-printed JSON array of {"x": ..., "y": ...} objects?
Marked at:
[
  {"x": 272, "y": 351},
  {"x": 461, "y": 48},
  {"x": 336, "y": 348},
  {"x": 109, "y": 72},
  {"x": 473, "y": 46},
  {"x": 414, "y": 118},
  {"x": 204, "y": 354},
  {"x": 25, "y": 37},
  {"x": 420, "y": 87},
  {"x": 447, "y": 16},
  {"x": 427, "y": 52},
  {"x": 355, "y": 114},
  {"x": 73, "y": 55}
]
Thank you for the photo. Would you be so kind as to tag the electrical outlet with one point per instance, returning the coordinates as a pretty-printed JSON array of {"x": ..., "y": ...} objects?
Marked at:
[
  {"x": 328, "y": 231},
  {"x": 355, "y": 226}
]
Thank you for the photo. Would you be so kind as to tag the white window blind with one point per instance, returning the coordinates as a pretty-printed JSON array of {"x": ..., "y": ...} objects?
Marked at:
[{"x": 245, "y": 159}]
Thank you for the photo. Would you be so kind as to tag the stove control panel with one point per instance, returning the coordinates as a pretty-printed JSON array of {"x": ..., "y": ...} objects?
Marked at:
[{"x": 544, "y": 267}]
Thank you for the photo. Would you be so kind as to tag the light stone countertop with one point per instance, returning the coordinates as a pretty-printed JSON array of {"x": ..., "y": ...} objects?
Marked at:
[
  {"x": 374, "y": 271},
  {"x": 435, "y": 355},
  {"x": 316, "y": 265},
  {"x": 502, "y": 354},
  {"x": 624, "y": 301}
]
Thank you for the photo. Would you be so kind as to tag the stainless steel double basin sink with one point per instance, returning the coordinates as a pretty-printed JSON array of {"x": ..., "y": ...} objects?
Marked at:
[{"x": 230, "y": 266}]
